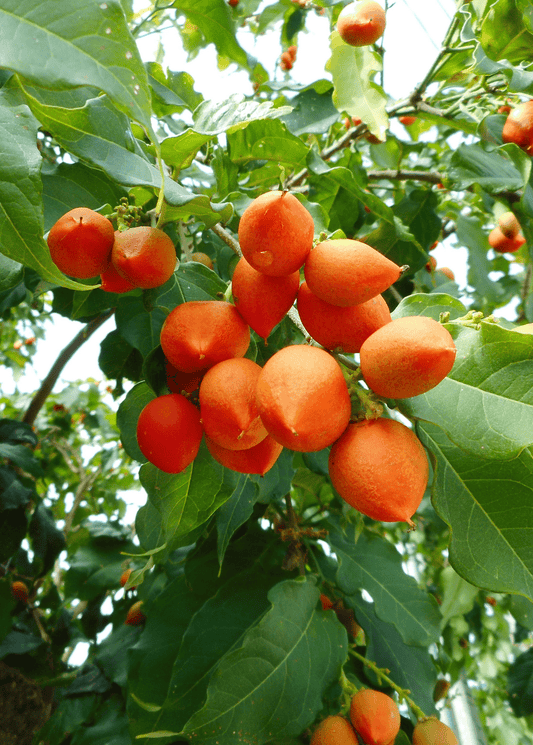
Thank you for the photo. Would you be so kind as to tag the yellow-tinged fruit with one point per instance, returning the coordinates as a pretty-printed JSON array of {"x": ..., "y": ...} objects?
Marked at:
[
  {"x": 375, "y": 716},
  {"x": 334, "y": 730},
  {"x": 431, "y": 731},
  {"x": 135, "y": 616}
]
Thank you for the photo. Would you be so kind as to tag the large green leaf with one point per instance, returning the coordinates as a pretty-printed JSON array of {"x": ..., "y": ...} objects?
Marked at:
[
  {"x": 187, "y": 499},
  {"x": 138, "y": 325},
  {"x": 373, "y": 564},
  {"x": 127, "y": 416},
  {"x": 473, "y": 164},
  {"x": 273, "y": 685},
  {"x": 486, "y": 503},
  {"x": 236, "y": 510},
  {"x": 485, "y": 404},
  {"x": 432, "y": 305},
  {"x": 353, "y": 70},
  {"x": 504, "y": 33},
  {"x": 72, "y": 43},
  {"x": 267, "y": 140},
  {"x": 21, "y": 216}
]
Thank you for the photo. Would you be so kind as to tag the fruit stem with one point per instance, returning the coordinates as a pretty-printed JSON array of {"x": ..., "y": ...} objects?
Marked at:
[
  {"x": 366, "y": 400},
  {"x": 228, "y": 239},
  {"x": 382, "y": 675}
]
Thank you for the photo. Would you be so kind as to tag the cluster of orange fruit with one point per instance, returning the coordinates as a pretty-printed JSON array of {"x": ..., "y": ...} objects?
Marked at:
[
  {"x": 288, "y": 58},
  {"x": 375, "y": 718},
  {"x": 84, "y": 244},
  {"x": 300, "y": 398}
]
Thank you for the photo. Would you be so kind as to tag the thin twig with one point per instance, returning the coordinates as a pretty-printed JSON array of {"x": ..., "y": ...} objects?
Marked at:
[{"x": 228, "y": 239}]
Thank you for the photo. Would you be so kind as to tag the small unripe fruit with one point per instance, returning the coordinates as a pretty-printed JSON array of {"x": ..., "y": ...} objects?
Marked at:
[
  {"x": 144, "y": 256},
  {"x": 509, "y": 224},
  {"x": 198, "y": 334},
  {"x": 169, "y": 432},
  {"x": 375, "y": 716},
  {"x": 361, "y": 23},
  {"x": 347, "y": 272},
  {"x": 261, "y": 300},
  {"x": 431, "y": 731},
  {"x": 80, "y": 243},
  {"x": 380, "y": 468},
  {"x": 276, "y": 233},
  {"x": 337, "y": 328},
  {"x": 334, "y": 730},
  {"x": 303, "y": 398},
  {"x": 407, "y": 357},
  {"x": 19, "y": 591},
  {"x": 258, "y": 460},
  {"x": 230, "y": 415},
  {"x": 135, "y": 616}
]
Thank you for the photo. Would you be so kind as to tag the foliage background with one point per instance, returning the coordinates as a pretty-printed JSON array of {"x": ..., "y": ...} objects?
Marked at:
[{"x": 229, "y": 567}]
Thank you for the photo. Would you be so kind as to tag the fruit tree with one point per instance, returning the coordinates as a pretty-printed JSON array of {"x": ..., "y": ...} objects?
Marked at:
[{"x": 329, "y": 437}]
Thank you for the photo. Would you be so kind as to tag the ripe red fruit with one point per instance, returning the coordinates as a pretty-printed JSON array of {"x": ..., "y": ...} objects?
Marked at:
[
  {"x": 509, "y": 224},
  {"x": 501, "y": 244},
  {"x": 228, "y": 408},
  {"x": 518, "y": 127},
  {"x": 361, "y": 23},
  {"x": 303, "y": 398},
  {"x": 198, "y": 334},
  {"x": 431, "y": 731},
  {"x": 169, "y": 432},
  {"x": 276, "y": 233},
  {"x": 407, "y": 120},
  {"x": 334, "y": 730},
  {"x": 135, "y": 616},
  {"x": 80, "y": 243},
  {"x": 346, "y": 272},
  {"x": 144, "y": 256},
  {"x": 343, "y": 329},
  {"x": 178, "y": 381},
  {"x": 407, "y": 357},
  {"x": 258, "y": 460},
  {"x": 261, "y": 300},
  {"x": 112, "y": 281},
  {"x": 380, "y": 468},
  {"x": 233, "y": 3},
  {"x": 375, "y": 716},
  {"x": 19, "y": 591}
]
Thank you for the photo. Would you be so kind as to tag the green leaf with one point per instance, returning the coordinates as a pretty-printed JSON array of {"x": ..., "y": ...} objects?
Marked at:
[
  {"x": 7, "y": 605},
  {"x": 236, "y": 511},
  {"x": 21, "y": 221},
  {"x": 11, "y": 273},
  {"x": 187, "y": 499},
  {"x": 19, "y": 643},
  {"x": 520, "y": 684},
  {"x": 138, "y": 325},
  {"x": 372, "y": 563},
  {"x": 504, "y": 34},
  {"x": 47, "y": 541},
  {"x": 173, "y": 92},
  {"x": 457, "y": 595},
  {"x": 493, "y": 171},
  {"x": 61, "y": 47},
  {"x": 410, "y": 667},
  {"x": 127, "y": 416},
  {"x": 216, "y": 117},
  {"x": 295, "y": 649},
  {"x": 492, "y": 374},
  {"x": 432, "y": 306},
  {"x": 486, "y": 504},
  {"x": 118, "y": 359},
  {"x": 353, "y": 70},
  {"x": 267, "y": 140},
  {"x": 313, "y": 112},
  {"x": 95, "y": 567}
]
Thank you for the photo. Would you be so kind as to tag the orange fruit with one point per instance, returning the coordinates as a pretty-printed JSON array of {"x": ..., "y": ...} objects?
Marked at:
[
  {"x": 169, "y": 432},
  {"x": 509, "y": 224},
  {"x": 286, "y": 61},
  {"x": 124, "y": 577},
  {"x": 447, "y": 272},
  {"x": 361, "y": 23},
  {"x": 258, "y": 460},
  {"x": 178, "y": 381},
  {"x": 407, "y": 357},
  {"x": 407, "y": 120},
  {"x": 198, "y": 334},
  {"x": 135, "y": 616},
  {"x": 343, "y": 329},
  {"x": 326, "y": 602},
  {"x": 276, "y": 233},
  {"x": 442, "y": 686},
  {"x": 346, "y": 272},
  {"x": 380, "y": 468},
  {"x": 518, "y": 127},
  {"x": 432, "y": 264},
  {"x": 228, "y": 408},
  {"x": 80, "y": 243},
  {"x": 501, "y": 244},
  {"x": 261, "y": 300},
  {"x": 202, "y": 258},
  {"x": 375, "y": 716},
  {"x": 292, "y": 50},
  {"x": 504, "y": 110},
  {"x": 334, "y": 730},
  {"x": 144, "y": 256},
  {"x": 233, "y": 3},
  {"x": 431, "y": 731},
  {"x": 19, "y": 591},
  {"x": 112, "y": 281},
  {"x": 303, "y": 398}
]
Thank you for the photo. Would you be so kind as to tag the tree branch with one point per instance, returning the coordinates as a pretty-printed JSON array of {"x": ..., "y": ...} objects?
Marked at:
[{"x": 64, "y": 356}]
